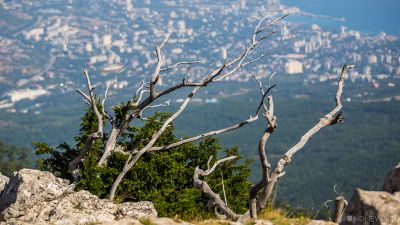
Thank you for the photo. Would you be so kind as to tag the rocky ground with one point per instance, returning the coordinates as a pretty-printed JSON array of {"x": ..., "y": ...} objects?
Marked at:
[
  {"x": 376, "y": 207},
  {"x": 37, "y": 197}
]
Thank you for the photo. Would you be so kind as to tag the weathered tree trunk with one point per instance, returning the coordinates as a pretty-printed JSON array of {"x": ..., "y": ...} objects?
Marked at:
[
  {"x": 340, "y": 206},
  {"x": 91, "y": 100},
  {"x": 215, "y": 199},
  {"x": 110, "y": 146},
  {"x": 333, "y": 117}
]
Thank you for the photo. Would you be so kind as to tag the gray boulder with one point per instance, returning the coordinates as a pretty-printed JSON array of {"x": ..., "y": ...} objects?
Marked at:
[
  {"x": 37, "y": 197},
  {"x": 392, "y": 182},
  {"x": 373, "y": 208}
]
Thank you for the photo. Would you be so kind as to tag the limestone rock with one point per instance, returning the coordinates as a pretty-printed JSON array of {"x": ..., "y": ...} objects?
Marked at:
[
  {"x": 125, "y": 221},
  {"x": 143, "y": 221},
  {"x": 373, "y": 207},
  {"x": 136, "y": 210},
  {"x": 320, "y": 222},
  {"x": 392, "y": 182},
  {"x": 166, "y": 221},
  {"x": 29, "y": 188},
  {"x": 3, "y": 182},
  {"x": 37, "y": 197},
  {"x": 220, "y": 222},
  {"x": 262, "y": 222}
]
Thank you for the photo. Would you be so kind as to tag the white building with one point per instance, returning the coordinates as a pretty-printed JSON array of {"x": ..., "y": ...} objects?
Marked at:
[
  {"x": 181, "y": 26},
  {"x": 107, "y": 40},
  {"x": 308, "y": 47},
  {"x": 89, "y": 47},
  {"x": 18, "y": 95},
  {"x": 372, "y": 59},
  {"x": 224, "y": 53},
  {"x": 285, "y": 32},
  {"x": 129, "y": 6},
  {"x": 35, "y": 34},
  {"x": 293, "y": 67}
]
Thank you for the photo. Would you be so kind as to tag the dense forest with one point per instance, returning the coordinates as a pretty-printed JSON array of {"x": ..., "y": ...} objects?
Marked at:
[{"x": 13, "y": 158}]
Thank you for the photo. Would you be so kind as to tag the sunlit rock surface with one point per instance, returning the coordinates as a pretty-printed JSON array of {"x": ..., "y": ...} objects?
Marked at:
[{"x": 37, "y": 197}]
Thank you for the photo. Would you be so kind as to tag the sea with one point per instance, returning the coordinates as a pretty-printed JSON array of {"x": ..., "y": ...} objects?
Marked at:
[{"x": 368, "y": 16}]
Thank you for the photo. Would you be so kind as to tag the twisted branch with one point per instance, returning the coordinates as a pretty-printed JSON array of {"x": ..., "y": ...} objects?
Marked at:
[{"x": 215, "y": 199}]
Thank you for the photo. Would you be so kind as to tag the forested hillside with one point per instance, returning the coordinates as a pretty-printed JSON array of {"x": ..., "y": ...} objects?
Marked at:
[{"x": 13, "y": 158}]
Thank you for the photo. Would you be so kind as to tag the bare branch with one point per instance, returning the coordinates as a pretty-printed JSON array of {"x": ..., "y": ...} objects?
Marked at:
[
  {"x": 223, "y": 189},
  {"x": 239, "y": 60},
  {"x": 209, "y": 161},
  {"x": 204, "y": 135},
  {"x": 270, "y": 24},
  {"x": 128, "y": 165},
  {"x": 142, "y": 92},
  {"x": 266, "y": 36},
  {"x": 178, "y": 64},
  {"x": 331, "y": 118},
  {"x": 263, "y": 93},
  {"x": 257, "y": 28},
  {"x": 218, "y": 74},
  {"x": 143, "y": 85},
  {"x": 258, "y": 58},
  {"x": 92, "y": 137},
  {"x": 209, "y": 171},
  {"x": 108, "y": 85},
  {"x": 215, "y": 199},
  {"x": 87, "y": 98},
  {"x": 167, "y": 103},
  {"x": 340, "y": 206},
  {"x": 156, "y": 73},
  {"x": 271, "y": 119},
  {"x": 94, "y": 105}
]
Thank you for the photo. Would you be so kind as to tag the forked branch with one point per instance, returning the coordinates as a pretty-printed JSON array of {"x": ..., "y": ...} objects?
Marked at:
[
  {"x": 271, "y": 126},
  {"x": 215, "y": 199},
  {"x": 257, "y": 200},
  {"x": 219, "y": 74},
  {"x": 333, "y": 117},
  {"x": 73, "y": 165},
  {"x": 131, "y": 161},
  {"x": 204, "y": 135}
]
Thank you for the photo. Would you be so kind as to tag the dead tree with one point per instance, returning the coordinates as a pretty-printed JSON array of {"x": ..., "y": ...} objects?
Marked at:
[
  {"x": 148, "y": 93},
  {"x": 261, "y": 192}
]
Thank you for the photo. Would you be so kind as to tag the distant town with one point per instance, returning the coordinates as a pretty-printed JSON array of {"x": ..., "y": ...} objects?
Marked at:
[{"x": 45, "y": 44}]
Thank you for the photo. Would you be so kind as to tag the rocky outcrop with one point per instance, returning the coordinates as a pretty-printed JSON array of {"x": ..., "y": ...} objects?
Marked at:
[
  {"x": 146, "y": 221},
  {"x": 37, "y": 197},
  {"x": 376, "y": 207},
  {"x": 3, "y": 182},
  {"x": 373, "y": 207},
  {"x": 320, "y": 222},
  {"x": 392, "y": 182}
]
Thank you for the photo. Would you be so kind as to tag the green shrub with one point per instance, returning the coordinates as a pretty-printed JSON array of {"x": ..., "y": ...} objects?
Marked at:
[{"x": 164, "y": 178}]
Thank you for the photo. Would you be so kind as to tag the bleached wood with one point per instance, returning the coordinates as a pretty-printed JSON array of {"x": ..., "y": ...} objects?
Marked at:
[
  {"x": 331, "y": 118},
  {"x": 73, "y": 165},
  {"x": 219, "y": 74},
  {"x": 215, "y": 199}
]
